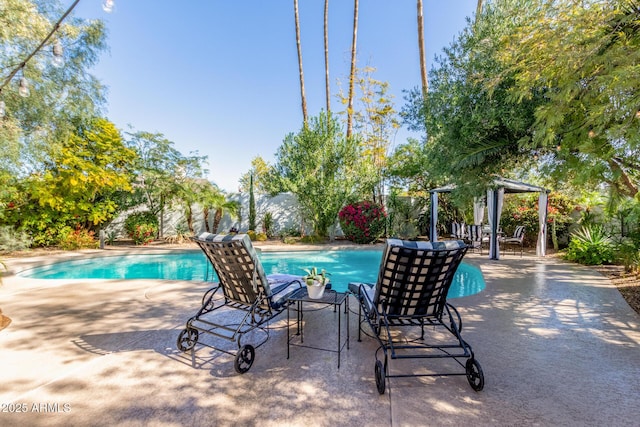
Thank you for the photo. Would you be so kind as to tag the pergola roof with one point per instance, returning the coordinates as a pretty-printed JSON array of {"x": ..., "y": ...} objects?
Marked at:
[{"x": 509, "y": 185}]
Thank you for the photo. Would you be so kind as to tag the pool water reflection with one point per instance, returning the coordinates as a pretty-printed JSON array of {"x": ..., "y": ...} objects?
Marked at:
[{"x": 344, "y": 265}]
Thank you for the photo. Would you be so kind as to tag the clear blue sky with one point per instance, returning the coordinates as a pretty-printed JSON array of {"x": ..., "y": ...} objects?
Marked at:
[{"x": 221, "y": 76}]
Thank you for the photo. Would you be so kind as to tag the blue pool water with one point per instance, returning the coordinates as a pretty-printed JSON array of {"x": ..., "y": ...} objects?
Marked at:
[{"x": 344, "y": 266}]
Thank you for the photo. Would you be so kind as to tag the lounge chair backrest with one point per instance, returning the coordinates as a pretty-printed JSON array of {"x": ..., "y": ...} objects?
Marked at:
[
  {"x": 236, "y": 263},
  {"x": 475, "y": 233},
  {"x": 415, "y": 277}
]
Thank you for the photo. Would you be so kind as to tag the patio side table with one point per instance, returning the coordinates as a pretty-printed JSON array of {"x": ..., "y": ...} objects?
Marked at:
[{"x": 330, "y": 298}]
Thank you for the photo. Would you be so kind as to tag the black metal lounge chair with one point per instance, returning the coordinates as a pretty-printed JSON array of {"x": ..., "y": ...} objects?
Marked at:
[
  {"x": 411, "y": 291},
  {"x": 249, "y": 299}
]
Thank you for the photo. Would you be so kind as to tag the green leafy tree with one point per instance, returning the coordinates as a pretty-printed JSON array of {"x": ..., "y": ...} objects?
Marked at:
[
  {"x": 583, "y": 56},
  {"x": 376, "y": 122},
  {"x": 58, "y": 96},
  {"x": 473, "y": 133},
  {"x": 259, "y": 172},
  {"x": 158, "y": 161},
  {"x": 164, "y": 176},
  {"x": 316, "y": 165},
  {"x": 77, "y": 187}
]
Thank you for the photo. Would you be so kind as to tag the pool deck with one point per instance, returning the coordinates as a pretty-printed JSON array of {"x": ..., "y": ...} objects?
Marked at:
[{"x": 557, "y": 343}]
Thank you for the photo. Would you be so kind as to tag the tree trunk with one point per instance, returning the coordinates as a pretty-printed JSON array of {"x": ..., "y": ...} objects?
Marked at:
[
  {"x": 478, "y": 10},
  {"x": 217, "y": 217},
  {"x": 423, "y": 59},
  {"x": 326, "y": 56},
  {"x": 205, "y": 212},
  {"x": 302, "y": 93},
  {"x": 189, "y": 217},
  {"x": 352, "y": 73}
]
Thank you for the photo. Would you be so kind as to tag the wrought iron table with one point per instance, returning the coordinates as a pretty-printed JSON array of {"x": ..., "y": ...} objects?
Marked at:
[{"x": 330, "y": 298}]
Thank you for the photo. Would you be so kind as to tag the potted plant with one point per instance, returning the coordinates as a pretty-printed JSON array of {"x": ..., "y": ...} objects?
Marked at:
[{"x": 316, "y": 282}]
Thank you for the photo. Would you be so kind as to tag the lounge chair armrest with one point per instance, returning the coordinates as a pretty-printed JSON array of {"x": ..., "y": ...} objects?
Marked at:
[
  {"x": 365, "y": 293},
  {"x": 283, "y": 285}
]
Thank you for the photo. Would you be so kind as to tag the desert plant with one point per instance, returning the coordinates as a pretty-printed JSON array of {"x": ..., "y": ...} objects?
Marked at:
[
  {"x": 111, "y": 237},
  {"x": 316, "y": 275},
  {"x": 180, "y": 235},
  {"x": 362, "y": 222},
  {"x": 590, "y": 245}
]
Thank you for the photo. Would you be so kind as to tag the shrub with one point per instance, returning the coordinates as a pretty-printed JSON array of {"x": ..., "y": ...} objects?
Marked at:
[
  {"x": 267, "y": 224},
  {"x": 256, "y": 237},
  {"x": 13, "y": 240},
  {"x": 312, "y": 239},
  {"x": 289, "y": 233},
  {"x": 590, "y": 246},
  {"x": 180, "y": 235},
  {"x": 523, "y": 210},
  {"x": 142, "y": 227},
  {"x": 77, "y": 239},
  {"x": 362, "y": 222},
  {"x": 628, "y": 254}
]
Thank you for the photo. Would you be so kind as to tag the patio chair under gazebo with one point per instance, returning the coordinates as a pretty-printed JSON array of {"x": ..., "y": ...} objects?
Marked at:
[{"x": 495, "y": 197}]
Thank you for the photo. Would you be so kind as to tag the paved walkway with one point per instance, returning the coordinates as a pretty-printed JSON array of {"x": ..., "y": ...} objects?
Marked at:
[{"x": 557, "y": 343}]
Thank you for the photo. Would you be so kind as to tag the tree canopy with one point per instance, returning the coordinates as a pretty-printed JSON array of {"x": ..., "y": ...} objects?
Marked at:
[
  {"x": 534, "y": 86},
  {"x": 315, "y": 165}
]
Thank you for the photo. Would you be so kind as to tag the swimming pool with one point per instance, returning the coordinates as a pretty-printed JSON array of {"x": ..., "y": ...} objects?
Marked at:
[{"x": 345, "y": 266}]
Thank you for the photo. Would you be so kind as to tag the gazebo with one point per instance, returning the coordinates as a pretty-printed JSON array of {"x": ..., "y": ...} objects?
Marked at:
[{"x": 495, "y": 197}]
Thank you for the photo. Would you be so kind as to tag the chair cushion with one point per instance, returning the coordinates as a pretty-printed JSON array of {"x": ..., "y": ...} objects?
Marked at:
[
  {"x": 283, "y": 285},
  {"x": 366, "y": 290}
]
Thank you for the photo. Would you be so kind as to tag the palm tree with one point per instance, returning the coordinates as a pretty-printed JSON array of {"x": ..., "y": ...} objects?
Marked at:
[
  {"x": 478, "y": 10},
  {"x": 221, "y": 206},
  {"x": 326, "y": 55},
  {"x": 304, "y": 99},
  {"x": 423, "y": 59},
  {"x": 352, "y": 73}
]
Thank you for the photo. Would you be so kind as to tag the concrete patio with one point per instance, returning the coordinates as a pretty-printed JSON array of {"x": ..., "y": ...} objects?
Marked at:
[{"x": 557, "y": 343}]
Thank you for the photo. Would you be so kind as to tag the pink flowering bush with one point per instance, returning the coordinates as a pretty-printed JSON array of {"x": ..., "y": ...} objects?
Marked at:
[{"x": 362, "y": 222}]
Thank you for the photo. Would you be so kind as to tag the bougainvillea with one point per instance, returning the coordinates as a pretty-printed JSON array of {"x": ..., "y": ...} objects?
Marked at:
[{"x": 362, "y": 222}]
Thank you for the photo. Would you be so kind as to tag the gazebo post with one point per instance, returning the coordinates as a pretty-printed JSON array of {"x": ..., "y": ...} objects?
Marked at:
[{"x": 433, "y": 221}]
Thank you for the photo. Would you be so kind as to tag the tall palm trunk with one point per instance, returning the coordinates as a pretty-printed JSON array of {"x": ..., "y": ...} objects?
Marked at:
[
  {"x": 205, "y": 212},
  {"x": 478, "y": 10},
  {"x": 326, "y": 57},
  {"x": 217, "y": 218},
  {"x": 304, "y": 98},
  {"x": 352, "y": 73},
  {"x": 423, "y": 59}
]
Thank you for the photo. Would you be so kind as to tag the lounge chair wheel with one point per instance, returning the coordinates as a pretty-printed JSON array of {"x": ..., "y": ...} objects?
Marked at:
[
  {"x": 474, "y": 374},
  {"x": 244, "y": 359},
  {"x": 381, "y": 376},
  {"x": 187, "y": 339}
]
